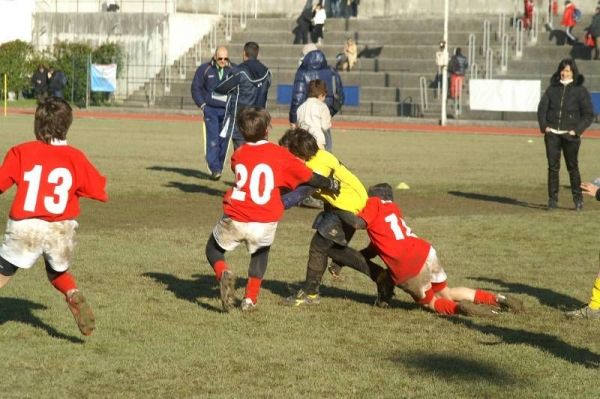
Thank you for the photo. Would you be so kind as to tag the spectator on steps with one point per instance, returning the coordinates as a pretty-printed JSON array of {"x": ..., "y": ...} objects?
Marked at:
[
  {"x": 594, "y": 30},
  {"x": 39, "y": 81},
  {"x": 346, "y": 60},
  {"x": 318, "y": 23},
  {"x": 304, "y": 28},
  {"x": 568, "y": 20},
  {"x": 458, "y": 68}
]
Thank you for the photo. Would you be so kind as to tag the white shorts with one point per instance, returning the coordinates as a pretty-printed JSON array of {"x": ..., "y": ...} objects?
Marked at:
[
  {"x": 229, "y": 234},
  {"x": 431, "y": 272},
  {"x": 26, "y": 240}
]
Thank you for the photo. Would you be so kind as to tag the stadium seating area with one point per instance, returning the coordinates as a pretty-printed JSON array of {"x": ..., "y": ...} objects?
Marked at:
[{"x": 402, "y": 51}]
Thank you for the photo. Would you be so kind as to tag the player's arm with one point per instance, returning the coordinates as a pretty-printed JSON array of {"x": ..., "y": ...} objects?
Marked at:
[
  {"x": 93, "y": 185},
  {"x": 369, "y": 252},
  {"x": 351, "y": 219},
  {"x": 8, "y": 170},
  {"x": 304, "y": 191}
]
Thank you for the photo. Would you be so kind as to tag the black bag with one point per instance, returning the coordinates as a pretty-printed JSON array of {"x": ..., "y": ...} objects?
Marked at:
[{"x": 337, "y": 103}]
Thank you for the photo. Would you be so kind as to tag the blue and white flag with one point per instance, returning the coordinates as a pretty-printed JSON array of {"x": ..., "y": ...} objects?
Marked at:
[{"x": 104, "y": 77}]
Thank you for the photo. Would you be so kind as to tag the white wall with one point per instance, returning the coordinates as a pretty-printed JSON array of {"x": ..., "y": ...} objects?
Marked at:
[
  {"x": 85, "y": 6},
  {"x": 15, "y": 20}
]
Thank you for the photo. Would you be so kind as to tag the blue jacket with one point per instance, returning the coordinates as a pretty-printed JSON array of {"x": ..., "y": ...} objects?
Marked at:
[
  {"x": 248, "y": 84},
  {"x": 204, "y": 83},
  {"x": 314, "y": 66}
]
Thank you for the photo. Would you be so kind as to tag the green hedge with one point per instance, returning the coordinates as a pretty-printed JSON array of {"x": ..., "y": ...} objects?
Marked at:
[{"x": 19, "y": 60}]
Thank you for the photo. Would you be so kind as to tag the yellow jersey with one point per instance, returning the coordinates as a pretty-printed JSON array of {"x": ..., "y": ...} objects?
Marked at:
[{"x": 353, "y": 195}]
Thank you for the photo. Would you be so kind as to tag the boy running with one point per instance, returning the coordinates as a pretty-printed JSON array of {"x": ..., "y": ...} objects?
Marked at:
[
  {"x": 253, "y": 207},
  {"x": 50, "y": 177}
]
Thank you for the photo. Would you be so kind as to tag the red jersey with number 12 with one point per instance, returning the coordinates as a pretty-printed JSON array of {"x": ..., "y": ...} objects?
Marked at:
[
  {"x": 50, "y": 179},
  {"x": 261, "y": 169},
  {"x": 403, "y": 252}
]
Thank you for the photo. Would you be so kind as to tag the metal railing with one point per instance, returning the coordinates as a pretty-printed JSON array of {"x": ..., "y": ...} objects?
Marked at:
[
  {"x": 504, "y": 53},
  {"x": 501, "y": 26},
  {"x": 423, "y": 93},
  {"x": 489, "y": 64},
  {"x": 519, "y": 39},
  {"x": 473, "y": 71},
  {"x": 472, "y": 44},
  {"x": 534, "y": 29},
  {"x": 487, "y": 30}
]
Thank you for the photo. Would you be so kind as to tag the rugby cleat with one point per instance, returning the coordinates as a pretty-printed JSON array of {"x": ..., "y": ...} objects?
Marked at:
[
  {"x": 334, "y": 269},
  {"x": 247, "y": 305},
  {"x": 227, "y": 288},
  {"x": 302, "y": 298},
  {"x": 584, "y": 313},
  {"x": 82, "y": 312},
  {"x": 467, "y": 308},
  {"x": 385, "y": 290},
  {"x": 510, "y": 303}
]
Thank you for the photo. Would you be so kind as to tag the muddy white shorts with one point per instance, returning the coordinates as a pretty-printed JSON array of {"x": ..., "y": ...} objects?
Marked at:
[
  {"x": 431, "y": 272},
  {"x": 229, "y": 234},
  {"x": 26, "y": 240}
]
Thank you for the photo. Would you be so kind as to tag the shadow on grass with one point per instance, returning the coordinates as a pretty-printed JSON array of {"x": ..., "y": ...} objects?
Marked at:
[
  {"x": 200, "y": 286},
  {"x": 496, "y": 198},
  {"x": 21, "y": 311},
  {"x": 182, "y": 171},
  {"x": 195, "y": 188},
  {"x": 205, "y": 286},
  {"x": 450, "y": 367},
  {"x": 546, "y": 296},
  {"x": 544, "y": 342}
]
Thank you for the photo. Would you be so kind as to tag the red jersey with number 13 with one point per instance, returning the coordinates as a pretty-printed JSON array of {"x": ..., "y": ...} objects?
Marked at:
[
  {"x": 261, "y": 169},
  {"x": 402, "y": 251},
  {"x": 50, "y": 178}
]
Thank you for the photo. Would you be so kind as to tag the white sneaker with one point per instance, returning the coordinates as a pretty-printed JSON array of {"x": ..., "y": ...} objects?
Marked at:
[{"x": 247, "y": 305}]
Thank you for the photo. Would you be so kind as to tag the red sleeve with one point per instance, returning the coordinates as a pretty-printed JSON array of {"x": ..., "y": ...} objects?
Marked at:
[
  {"x": 370, "y": 211},
  {"x": 8, "y": 170},
  {"x": 93, "y": 184},
  {"x": 296, "y": 171}
]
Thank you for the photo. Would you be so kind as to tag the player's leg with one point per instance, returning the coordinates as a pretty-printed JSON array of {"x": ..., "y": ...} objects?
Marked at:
[
  {"x": 78, "y": 305},
  {"x": 592, "y": 309},
  {"x": 317, "y": 263},
  {"x": 256, "y": 273},
  {"x": 59, "y": 245},
  {"x": 7, "y": 270},
  {"x": 223, "y": 141},
  {"x": 225, "y": 237},
  {"x": 571, "y": 151},
  {"x": 553, "y": 149}
]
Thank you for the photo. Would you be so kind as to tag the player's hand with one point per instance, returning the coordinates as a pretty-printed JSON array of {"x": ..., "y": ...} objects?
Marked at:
[
  {"x": 547, "y": 129},
  {"x": 589, "y": 189},
  {"x": 334, "y": 187},
  {"x": 572, "y": 133}
]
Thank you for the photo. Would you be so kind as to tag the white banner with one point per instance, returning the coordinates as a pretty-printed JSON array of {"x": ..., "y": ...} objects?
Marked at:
[
  {"x": 103, "y": 77},
  {"x": 504, "y": 95}
]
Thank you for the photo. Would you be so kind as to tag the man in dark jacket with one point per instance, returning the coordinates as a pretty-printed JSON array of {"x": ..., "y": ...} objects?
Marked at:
[
  {"x": 57, "y": 80},
  {"x": 314, "y": 66},
  {"x": 39, "y": 81},
  {"x": 207, "y": 77},
  {"x": 247, "y": 85},
  {"x": 564, "y": 112}
]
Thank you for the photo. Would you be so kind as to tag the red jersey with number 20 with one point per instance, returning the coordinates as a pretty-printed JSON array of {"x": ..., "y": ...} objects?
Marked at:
[
  {"x": 50, "y": 178},
  {"x": 261, "y": 169},
  {"x": 403, "y": 252}
]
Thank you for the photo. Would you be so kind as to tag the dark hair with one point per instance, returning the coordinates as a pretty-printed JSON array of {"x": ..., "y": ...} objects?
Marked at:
[
  {"x": 251, "y": 50},
  {"x": 253, "y": 123},
  {"x": 458, "y": 51},
  {"x": 381, "y": 190},
  {"x": 53, "y": 118},
  {"x": 567, "y": 62},
  {"x": 300, "y": 143},
  {"x": 316, "y": 88}
]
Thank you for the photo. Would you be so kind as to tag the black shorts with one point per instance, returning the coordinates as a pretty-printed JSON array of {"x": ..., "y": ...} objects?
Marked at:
[{"x": 6, "y": 268}]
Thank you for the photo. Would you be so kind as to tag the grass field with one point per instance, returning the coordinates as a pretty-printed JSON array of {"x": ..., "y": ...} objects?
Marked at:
[{"x": 160, "y": 330}]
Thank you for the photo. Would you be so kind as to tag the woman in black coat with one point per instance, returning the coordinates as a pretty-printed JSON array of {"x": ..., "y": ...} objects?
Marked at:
[{"x": 564, "y": 112}]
